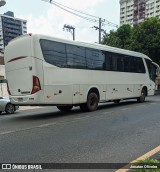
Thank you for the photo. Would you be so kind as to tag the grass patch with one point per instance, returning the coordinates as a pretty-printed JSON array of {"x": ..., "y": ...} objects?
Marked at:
[{"x": 148, "y": 165}]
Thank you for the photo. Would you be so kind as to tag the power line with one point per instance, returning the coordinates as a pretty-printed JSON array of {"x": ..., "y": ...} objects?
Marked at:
[
  {"x": 105, "y": 22},
  {"x": 78, "y": 15},
  {"x": 86, "y": 16},
  {"x": 76, "y": 10}
]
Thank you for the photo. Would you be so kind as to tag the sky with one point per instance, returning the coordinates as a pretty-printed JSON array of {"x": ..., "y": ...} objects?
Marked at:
[{"x": 45, "y": 18}]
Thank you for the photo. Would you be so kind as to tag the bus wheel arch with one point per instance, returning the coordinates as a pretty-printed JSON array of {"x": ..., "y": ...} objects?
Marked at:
[
  {"x": 146, "y": 90},
  {"x": 144, "y": 93},
  {"x": 94, "y": 90},
  {"x": 93, "y": 98}
]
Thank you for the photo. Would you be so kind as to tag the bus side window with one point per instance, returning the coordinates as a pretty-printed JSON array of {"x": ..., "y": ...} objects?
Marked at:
[
  {"x": 108, "y": 61},
  {"x": 95, "y": 59},
  {"x": 140, "y": 65},
  {"x": 152, "y": 69},
  {"x": 127, "y": 64},
  {"x": 54, "y": 52},
  {"x": 120, "y": 63},
  {"x": 75, "y": 56},
  {"x": 153, "y": 72}
]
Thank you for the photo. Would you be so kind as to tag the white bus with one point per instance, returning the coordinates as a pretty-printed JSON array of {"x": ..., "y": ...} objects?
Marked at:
[{"x": 42, "y": 70}]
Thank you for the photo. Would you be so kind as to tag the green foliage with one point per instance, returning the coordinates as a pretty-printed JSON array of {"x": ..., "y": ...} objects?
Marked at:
[
  {"x": 144, "y": 38},
  {"x": 120, "y": 38},
  {"x": 149, "y": 162}
]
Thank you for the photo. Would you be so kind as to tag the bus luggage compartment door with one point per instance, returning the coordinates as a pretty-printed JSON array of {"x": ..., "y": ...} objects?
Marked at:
[{"x": 76, "y": 94}]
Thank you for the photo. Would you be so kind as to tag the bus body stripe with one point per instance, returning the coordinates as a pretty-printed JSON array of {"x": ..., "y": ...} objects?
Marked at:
[{"x": 16, "y": 58}]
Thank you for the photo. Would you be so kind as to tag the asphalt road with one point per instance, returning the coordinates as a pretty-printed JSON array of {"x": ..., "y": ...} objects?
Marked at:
[{"x": 113, "y": 134}]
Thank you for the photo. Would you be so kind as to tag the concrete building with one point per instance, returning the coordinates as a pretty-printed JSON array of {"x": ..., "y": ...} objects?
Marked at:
[
  {"x": 136, "y": 11},
  {"x": 10, "y": 28},
  {"x": 3, "y": 82},
  {"x": 2, "y": 72},
  {"x": 2, "y": 67}
]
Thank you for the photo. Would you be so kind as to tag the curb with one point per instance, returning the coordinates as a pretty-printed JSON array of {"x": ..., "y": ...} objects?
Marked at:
[
  {"x": 157, "y": 92},
  {"x": 22, "y": 108}
]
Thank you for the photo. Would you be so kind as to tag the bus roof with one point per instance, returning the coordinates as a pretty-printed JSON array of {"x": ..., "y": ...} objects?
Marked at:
[{"x": 88, "y": 45}]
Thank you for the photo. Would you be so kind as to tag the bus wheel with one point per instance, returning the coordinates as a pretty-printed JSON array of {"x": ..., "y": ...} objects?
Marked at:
[
  {"x": 65, "y": 108},
  {"x": 142, "y": 97},
  {"x": 9, "y": 108},
  {"x": 92, "y": 102},
  {"x": 117, "y": 101}
]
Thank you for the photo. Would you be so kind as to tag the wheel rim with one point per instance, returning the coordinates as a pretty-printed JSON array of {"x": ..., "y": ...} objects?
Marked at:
[
  {"x": 92, "y": 102},
  {"x": 143, "y": 96},
  {"x": 10, "y": 108}
]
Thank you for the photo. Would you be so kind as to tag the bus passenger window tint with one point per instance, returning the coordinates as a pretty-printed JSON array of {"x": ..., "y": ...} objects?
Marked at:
[
  {"x": 127, "y": 64},
  {"x": 75, "y": 56},
  {"x": 72, "y": 56},
  {"x": 95, "y": 59},
  {"x": 120, "y": 64},
  {"x": 54, "y": 52},
  {"x": 140, "y": 65},
  {"x": 151, "y": 69}
]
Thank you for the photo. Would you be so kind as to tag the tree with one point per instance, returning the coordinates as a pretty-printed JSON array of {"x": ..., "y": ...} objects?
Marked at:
[
  {"x": 120, "y": 38},
  {"x": 144, "y": 38}
]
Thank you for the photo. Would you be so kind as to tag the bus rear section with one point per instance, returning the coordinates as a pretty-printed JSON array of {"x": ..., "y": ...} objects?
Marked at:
[{"x": 24, "y": 72}]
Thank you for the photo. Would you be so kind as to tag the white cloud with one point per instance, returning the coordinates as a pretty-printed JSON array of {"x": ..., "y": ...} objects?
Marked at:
[{"x": 52, "y": 22}]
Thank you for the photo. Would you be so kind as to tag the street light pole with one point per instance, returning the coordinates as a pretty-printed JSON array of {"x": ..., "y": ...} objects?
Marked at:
[
  {"x": 100, "y": 29},
  {"x": 69, "y": 28}
]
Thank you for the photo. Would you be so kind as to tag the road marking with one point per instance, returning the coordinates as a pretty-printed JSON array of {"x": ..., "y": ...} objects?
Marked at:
[
  {"x": 45, "y": 125},
  {"x": 50, "y": 124},
  {"x": 141, "y": 106},
  {"x": 125, "y": 109},
  {"x": 79, "y": 118},
  {"x": 109, "y": 112},
  {"x": 143, "y": 157},
  {"x": 25, "y": 129},
  {"x": 153, "y": 103}
]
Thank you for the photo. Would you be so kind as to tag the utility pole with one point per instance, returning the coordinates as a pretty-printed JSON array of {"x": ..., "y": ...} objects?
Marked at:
[
  {"x": 69, "y": 28},
  {"x": 100, "y": 26},
  {"x": 100, "y": 29}
]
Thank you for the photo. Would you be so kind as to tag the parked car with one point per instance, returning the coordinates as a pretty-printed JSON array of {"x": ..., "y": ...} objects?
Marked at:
[{"x": 6, "y": 106}]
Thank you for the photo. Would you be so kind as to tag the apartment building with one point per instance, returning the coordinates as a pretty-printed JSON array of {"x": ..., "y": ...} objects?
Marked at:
[
  {"x": 2, "y": 69},
  {"x": 134, "y": 12},
  {"x": 10, "y": 28}
]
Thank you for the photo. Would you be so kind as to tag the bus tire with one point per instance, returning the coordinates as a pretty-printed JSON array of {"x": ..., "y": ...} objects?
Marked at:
[
  {"x": 92, "y": 102},
  {"x": 65, "y": 108},
  {"x": 116, "y": 101},
  {"x": 142, "y": 97},
  {"x": 9, "y": 108}
]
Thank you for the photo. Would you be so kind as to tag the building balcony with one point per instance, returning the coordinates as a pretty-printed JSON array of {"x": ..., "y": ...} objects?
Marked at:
[
  {"x": 11, "y": 21},
  {"x": 8, "y": 26},
  {"x": 142, "y": 8}
]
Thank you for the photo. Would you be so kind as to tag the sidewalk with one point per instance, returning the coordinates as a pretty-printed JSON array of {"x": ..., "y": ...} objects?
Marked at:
[
  {"x": 157, "y": 92},
  {"x": 156, "y": 156},
  {"x": 29, "y": 107}
]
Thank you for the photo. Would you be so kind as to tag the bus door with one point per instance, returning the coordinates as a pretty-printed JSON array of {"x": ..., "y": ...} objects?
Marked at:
[{"x": 152, "y": 70}]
